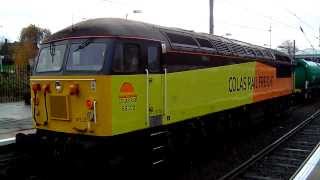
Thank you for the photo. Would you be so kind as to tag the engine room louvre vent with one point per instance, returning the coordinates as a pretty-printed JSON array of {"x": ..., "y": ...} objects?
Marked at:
[
  {"x": 181, "y": 39},
  {"x": 221, "y": 47}
]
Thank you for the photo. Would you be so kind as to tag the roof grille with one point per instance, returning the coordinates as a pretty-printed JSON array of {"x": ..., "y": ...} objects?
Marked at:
[
  {"x": 221, "y": 47},
  {"x": 181, "y": 39},
  {"x": 259, "y": 53},
  {"x": 237, "y": 49},
  {"x": 268, "y": 53}
]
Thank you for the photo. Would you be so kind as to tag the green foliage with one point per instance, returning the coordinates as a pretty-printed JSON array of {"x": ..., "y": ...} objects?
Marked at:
[{"x": 26, "y": 50}]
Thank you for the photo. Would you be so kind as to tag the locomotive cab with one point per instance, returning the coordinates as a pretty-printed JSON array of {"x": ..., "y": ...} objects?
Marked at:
[{"x": 98, "y": 86}]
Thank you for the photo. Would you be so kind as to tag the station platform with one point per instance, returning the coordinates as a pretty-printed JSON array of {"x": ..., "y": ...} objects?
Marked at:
[
  {"x": 310, "y": 170},
  {"x": 15, "y": 118}
]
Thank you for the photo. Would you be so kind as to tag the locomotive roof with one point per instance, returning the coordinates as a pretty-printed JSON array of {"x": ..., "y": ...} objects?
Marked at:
[
  {"x": 109, "y": 27},
  {"x": 175, "y": 38}
]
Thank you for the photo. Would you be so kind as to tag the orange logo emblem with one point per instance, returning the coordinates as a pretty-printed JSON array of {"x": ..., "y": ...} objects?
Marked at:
[
  {"x": 127, "y": 97},
  {"x": 127, "y": 90}
]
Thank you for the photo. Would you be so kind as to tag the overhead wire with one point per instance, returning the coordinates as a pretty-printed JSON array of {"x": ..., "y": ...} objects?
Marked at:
[
  {"x": 243, "y": 26},
  {"x": 300, "y": 19},
  {"x": 274, "y": 20},
  {"x": 306, "y": 37},
  {"x": 270, "y": 18},
  {"x": 303, "y": 22},
  {"x": 301, "y": 29}
]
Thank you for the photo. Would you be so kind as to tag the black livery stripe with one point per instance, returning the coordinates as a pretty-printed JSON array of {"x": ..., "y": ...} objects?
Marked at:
[{"x": 177, "y": 61}]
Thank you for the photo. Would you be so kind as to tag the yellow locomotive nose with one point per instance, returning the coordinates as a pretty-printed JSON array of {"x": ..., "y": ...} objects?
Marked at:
[{"x": 71, "y": 106}]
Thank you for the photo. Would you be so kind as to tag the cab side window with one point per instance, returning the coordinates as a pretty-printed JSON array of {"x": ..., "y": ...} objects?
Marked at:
[
  {"x": 153, "y": 59},
  {"x": 126, "y": 58}
]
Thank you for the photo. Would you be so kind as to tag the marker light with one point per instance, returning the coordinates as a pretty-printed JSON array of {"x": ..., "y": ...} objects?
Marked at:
[
  {"x": 36, "y": 87},
  {"x": 89, "y": 103},
  {"x": 46, "y": 88},
  {"x": 74, "y": 89}
]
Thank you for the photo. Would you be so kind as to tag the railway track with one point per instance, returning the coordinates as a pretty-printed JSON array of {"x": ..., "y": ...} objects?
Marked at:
[{"x": 282, "y": 158}]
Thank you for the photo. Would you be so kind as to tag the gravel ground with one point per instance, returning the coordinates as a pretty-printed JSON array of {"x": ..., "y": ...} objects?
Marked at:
[{"x": 14, "y": 117}]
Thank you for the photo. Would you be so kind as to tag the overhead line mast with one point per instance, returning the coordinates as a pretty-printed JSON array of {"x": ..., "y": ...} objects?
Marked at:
[
  {"x": 270, "y": 36},
  {"x": 211, "y": 21}
]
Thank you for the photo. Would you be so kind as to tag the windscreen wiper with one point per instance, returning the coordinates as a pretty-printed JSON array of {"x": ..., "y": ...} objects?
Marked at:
[
  {"x": 52, "y": 50},
  {"x": 83, "y": 45}
]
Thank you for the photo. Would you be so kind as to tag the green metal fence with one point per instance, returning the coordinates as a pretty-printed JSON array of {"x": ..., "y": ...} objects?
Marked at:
[{"x": 14, "y": 83}]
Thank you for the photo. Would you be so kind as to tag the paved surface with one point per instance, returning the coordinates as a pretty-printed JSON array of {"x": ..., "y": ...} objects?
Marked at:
[
  {"x": 14, "y": 117},
  {"x": 311, "y": 169}
]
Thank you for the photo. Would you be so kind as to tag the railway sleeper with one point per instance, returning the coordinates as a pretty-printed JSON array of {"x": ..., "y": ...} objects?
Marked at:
[
  {"x": 265, "y": 171},
  {"x": 300, "y": 146},
  {"x": 281, "y": 163},
  {"x": 291, "y": 153},
  {"x": 307, "y": 139},
  {"x": 277, "y": 159},
  {"x": 252, "y": 176},
  {"x": 262, "y": 173},
  {"x": 311, "y": 134},
  {"x": 282, "y": 158},
  {"x": 287, "y": 155},
  {"x": 307, "y": 143},
  {"x": 297, "y": 150}
]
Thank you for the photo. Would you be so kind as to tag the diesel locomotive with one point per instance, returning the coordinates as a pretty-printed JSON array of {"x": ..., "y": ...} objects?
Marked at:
[{"x": 109, "y": 81}]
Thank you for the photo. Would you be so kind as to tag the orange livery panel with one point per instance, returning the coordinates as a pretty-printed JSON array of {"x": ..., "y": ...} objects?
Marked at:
[{"x": 267, "y": 85}]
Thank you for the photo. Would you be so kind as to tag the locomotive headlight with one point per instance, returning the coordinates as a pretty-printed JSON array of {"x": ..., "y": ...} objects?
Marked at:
[
  {"x": 74, "y": 89},
  {"x": 58, "y": 86},
  {"x": 89, "y": 103}
]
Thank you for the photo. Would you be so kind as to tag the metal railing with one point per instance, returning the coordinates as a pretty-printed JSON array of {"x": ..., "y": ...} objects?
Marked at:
[{"x": 14, "y": 83}]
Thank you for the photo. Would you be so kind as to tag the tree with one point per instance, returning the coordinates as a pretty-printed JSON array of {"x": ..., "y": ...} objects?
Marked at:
[
  {"x": 287, "y": 47},
  {"x": 4, "y": 47},
  {"x": 33, "y": 34},
  {"x": 6, "y": 51},
  {"x": 24, "y": 52},
  {"x": 27, "y": 48}
]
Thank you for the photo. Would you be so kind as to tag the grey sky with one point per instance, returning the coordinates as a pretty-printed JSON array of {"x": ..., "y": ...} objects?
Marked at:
[{"x": 246, "y": 20}]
